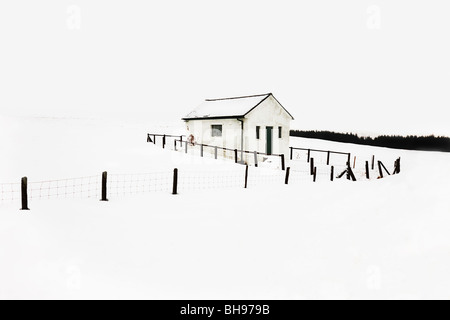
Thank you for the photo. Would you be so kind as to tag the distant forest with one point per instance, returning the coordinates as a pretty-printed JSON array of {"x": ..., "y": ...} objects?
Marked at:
[{"x": 425, "y": 143}]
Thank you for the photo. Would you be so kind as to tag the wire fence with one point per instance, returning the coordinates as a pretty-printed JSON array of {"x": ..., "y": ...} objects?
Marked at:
[
  {"x": 120, "y": 185},
  {"x": 10, "y": 192},
  {"x": 73, "y": 188}
]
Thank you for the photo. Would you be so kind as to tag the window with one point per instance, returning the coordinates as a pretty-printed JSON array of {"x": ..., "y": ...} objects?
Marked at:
[
  {"x": 216, "y": 130},
  {"x": 258, "y": 129},
  {"x": 280, "y": 132}
]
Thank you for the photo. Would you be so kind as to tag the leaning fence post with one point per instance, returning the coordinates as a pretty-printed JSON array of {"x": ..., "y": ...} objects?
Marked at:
[
  {"x": 175, "y": 181},
  {"x": 104, "y": 186},
  {"x": 246, "y": 176},
  {"x": 25, "y": 193},
  {"x": 235, "y": 156},
  {"x": 367, "y": 170},
  {"x": 315, "y": 174},
  {"x": 283, "y": 163},
  {"x": 312, "y": 166},
  {"x": 256, "y": 158},
  {"x": 332, "y": 173},
  {"x": 379, "y": 169},
  {"x": 309, "y": 154},
  {"x": 288, "y": 171},
  {"x": 148, "y": 138},
  {"x": 373, "y": 162},
  {"x": 354, "y": 163},
  {"x": 348, "y": 169},
  {"x": 328, "y": 158},
  {"x": 398, "y": 165},
  {"x": 292, "y": 153}
]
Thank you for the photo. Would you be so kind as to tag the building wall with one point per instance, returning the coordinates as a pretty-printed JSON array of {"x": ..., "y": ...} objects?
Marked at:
[
  {"x": 268, "y": 114},
  {"x": 202, "y": 132}
]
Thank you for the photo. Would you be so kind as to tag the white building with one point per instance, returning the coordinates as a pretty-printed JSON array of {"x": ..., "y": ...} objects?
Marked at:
[{"x": 253, "y": 123}]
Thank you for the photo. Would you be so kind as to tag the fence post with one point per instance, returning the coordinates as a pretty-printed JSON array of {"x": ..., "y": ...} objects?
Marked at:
[
  {"x": 201, "y": 150},
  {"x": 348, "y": 169},
  {"x": 175, "y": 181},
  {"x": 186, "y": 146},
  {"x": 379, "y": 169},
  {"x": 215, "y": 152},
  {"x": 292, "y": 153},
  {"x": 104, "y": 186},
  {"x": 164, "y": 141},
  {"x": 354, "y": 163},
  {"x": 283, "y": 163},
  {"x": 309, "y": 155},
  {"x": 315, "y": 174},
  {"x": 367, "y": 170},
  {"x": 288, "y": 171},
  {"x": 387, "y": 171},
  {"x": 373, "y": 162},
  {"x": 312, "y": 166},
  {"x": 256, "y": 158},
  {"x": 25, "y": 194},
  {"x": 148, "y": 138},
  {"x": 246, "y": 176},
  {"x": 349, "y": 159},
  {"x": 328, "y": 158},
  {"x": 398, "y": 165},
  {"x": 352, "y": 175},
  {"x": 235, "y": 156},
  {"x": 332, "y": 173},
  {"x": 175, "y": 145}
]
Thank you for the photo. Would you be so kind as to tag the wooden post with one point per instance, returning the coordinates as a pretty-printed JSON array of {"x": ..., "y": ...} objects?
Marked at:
[
  {"x": 387, "y": 171},
  {"x": 348, "y": 170},
  {"x": 328, "y": 158},
  {"x": 288, "y": 171},
  {"x": 315, "y": 174},
  {"x": 104, "y": 186},
  {"x": 164, "y": 141},
  {"x": 235, "y": 156},
  {"x": 309, "y": 155},
  {"x": 154, "y": 139},
  {"x": 352, "y": 176},
  {"x": 256, "y": 158},
  {"x": 349, "y": 158},
  {"x": 186, "y": 147},
  {"x": 398, "y": 165},
  {"x": 175, "y": 145},
  {"x": 24, "y": 183},
  {"x": 373, "y": 162},
  {"x": 215, "y": 152},
  {"x": 312, "y": 166},
  {"x": 292, "y": 153},
  {"x": 283, "y": 164},
  {"x": 367, "y": 170},
  {"x": 354, "y": 163},
  {"x": 175, "y": 181},
  {"x": 332, "y": 173},
  {"x": 148, "y": 138},
  {"x": 201, "y": 150},
  {"x": 379, "y": 169},
  {"x": 246, "y": 176}
]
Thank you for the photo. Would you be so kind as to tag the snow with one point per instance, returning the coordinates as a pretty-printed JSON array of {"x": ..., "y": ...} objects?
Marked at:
[
  {"x": 226, "y": 107},
  {"x": 378, "y": 239}
]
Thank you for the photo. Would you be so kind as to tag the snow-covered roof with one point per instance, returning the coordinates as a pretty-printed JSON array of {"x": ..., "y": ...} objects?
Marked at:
[{"x": 236, "y": 107}]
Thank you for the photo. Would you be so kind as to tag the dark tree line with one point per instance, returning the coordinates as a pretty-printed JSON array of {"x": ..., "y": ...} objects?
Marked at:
[{"x": 425, "y": 143}]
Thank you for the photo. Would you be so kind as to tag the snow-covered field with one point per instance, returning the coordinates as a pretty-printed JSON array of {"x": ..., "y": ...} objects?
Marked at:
[{"x": 384, "y": 238}]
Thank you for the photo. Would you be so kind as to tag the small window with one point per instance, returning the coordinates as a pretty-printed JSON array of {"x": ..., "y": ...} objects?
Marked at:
[
  {"x": 280, "y": 132},
  {"x": 216, "y": 130},
  {"x": 258, "y": 129}
]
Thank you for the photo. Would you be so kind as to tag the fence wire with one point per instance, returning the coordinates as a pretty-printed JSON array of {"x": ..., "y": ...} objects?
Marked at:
[
  {"x": 10, "y": 192},
  {"x": 120, "y": 185},
  {"x": 205, "y": 180},
  {"x": 75, "y": 188}
]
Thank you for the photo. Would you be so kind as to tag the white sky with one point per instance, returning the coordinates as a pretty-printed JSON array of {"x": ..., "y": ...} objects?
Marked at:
[{"x": 160, "y": 59}]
